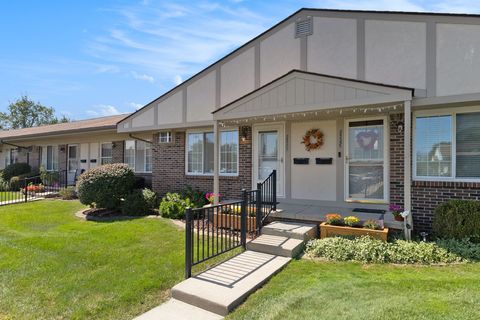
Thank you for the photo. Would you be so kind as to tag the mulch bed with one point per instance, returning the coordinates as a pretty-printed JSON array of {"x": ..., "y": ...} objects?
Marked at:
[{"x": 100, "y": 214}]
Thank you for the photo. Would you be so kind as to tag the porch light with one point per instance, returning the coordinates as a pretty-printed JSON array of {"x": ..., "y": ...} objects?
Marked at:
[
  {"x": 400, "y": 126},
  {"x": 243, "y": 134}
]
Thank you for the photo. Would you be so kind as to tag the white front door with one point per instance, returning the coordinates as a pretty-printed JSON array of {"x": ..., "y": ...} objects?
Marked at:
[
  {"x": 269, "y": 153},
  {"x": 366, "y": 156},
  {"x": 72, "y": 162}
]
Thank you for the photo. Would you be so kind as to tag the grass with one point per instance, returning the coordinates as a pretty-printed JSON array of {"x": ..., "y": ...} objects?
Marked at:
[
  {"x": 56, "y": 266},
  {"x": 326, "y": 290}
]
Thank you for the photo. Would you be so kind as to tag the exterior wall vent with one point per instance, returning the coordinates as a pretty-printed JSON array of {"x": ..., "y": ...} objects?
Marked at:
[{"x": 304, "y": 27}]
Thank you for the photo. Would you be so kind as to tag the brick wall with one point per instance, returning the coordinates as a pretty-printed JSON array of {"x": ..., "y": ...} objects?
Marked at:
[
  {"x": 396, "y": 159},
  {"x": 169, "y": 169}
]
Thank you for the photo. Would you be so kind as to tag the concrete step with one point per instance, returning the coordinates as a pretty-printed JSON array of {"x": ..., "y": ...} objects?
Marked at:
[
  {"x": 178, "y": 310},
  {"x": 276, "y": 245},
  {"x": 222, "y": 288},
  {"x": 295, "y": 230}
]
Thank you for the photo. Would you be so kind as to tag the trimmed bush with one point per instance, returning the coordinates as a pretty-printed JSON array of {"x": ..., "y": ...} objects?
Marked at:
[
  {"x": 369, "y": 250},
  {"x": 458, "y": 219},
  {"x": 4, "y": 185},
  {"x": 464, "y": 248},
  {"x": 173, "y": 206},
  {"x": 106, "y": 186},
  {"x": 140, "y": 202},
  {"x": 68, "y": 193},
  {"x": 16, "y": 169}
]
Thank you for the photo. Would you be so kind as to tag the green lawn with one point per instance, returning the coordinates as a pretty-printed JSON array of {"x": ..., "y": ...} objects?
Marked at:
[
  {"x": 323, "y": 290},
  {"x": 56, "y": 266}
]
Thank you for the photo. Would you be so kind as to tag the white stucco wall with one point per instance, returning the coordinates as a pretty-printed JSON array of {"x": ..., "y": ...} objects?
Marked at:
[
  {"x": 279, "y": 54},
  {"x": 201, "y": 98},
  {"x": 170, "y": 110},
  {"x": 238, "y": 76},
  {"x": 312, "y": 181},
  {"x": 396, "y": 53},
  {"x": 458, "y": 59},
  {"x": 332, "y": 48},
  {"x": 144, "y": 119}
]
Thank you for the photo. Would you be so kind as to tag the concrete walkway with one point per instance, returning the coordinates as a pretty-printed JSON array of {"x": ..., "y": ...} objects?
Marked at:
[{"x": 214, "y": 293}]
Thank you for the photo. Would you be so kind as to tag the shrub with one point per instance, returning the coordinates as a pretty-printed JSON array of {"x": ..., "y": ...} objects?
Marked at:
[
  {"x": 68, "y": 193},
  {"x": 139, "y": 182},
  {"x": 16, "y": 183},
  {"x": 106, "y": 186},
  {"x": 458, "y": 219},
  {"x": 140, "y": 202},
  {"x": 196, "y": 197},
  {"x": 369, "y": 250},
  {"x": 16, "y": 169},
  {"x": 4, "y": 185},
  {"x": 173, "y": 206},
  {"x": 464, "y": 248}
]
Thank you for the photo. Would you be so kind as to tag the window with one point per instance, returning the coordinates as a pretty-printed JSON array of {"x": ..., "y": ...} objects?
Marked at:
[
  {"x": 165, "y": 137},
  {"x": 138, "y": 155},
  {"x": 73, "y": 156},
  {"x": 106, "y": 153},
  {"x": 447, "y": 146},
  {"x": 50, "y": 158},
  {"x": 13, "y": 156},
  {"x": 200, "y": 149},
  {"x": 229, "y": 152}
]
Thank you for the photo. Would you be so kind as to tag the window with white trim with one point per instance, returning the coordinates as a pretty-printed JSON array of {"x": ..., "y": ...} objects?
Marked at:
[
  {"x": 106, "y": 152},
  {"x": 165, "y": 137},
  {"x": 447, "y": 146},
  {"x": 49, "y": 158},
  {"x": 200, "y": 149},
  {"x": 138, "y": 155}
]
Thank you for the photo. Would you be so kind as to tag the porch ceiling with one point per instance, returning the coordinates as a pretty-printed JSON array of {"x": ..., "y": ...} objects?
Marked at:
[{"x": 299, "y": 91}]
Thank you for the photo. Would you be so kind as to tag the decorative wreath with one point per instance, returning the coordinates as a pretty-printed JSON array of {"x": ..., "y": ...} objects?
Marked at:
[
  {"x": 367, "y": 139},
  {"x": 313, "y": 139}
]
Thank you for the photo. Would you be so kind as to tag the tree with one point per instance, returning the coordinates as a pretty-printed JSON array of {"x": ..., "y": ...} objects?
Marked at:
[{"x": 25, "y": 113}]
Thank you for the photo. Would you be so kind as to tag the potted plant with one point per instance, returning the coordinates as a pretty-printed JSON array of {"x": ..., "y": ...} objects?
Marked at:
[
  {"x": 335, "y": 225},
  {"x": 210, "y": 196},
  {"x": 396, "y": 210}
]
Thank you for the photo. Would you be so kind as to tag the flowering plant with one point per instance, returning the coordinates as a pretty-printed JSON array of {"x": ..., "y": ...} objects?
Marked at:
[
  {"x": 396, "y": 211},
  {"x": 351, "y": 221},
  {"x": 35, "y": 188},
  {"x": 210, "y": 196},
  {"x": 333, "y": 218}
]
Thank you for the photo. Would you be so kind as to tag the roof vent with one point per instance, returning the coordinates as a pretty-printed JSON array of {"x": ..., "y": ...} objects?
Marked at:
[{"x": 303, "y": 28}]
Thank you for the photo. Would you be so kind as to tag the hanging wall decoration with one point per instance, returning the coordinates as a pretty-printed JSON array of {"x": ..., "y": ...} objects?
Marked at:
[
  {"x": 367, "y": 139},
  {"x": 313, "y": 139}
]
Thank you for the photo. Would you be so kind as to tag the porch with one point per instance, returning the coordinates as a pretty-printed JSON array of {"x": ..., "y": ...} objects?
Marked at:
[
  {"x": 315, "y": 213},
  {"x": 352, "y": 167}
]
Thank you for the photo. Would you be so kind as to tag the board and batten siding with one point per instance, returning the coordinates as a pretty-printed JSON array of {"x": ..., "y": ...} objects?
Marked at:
[{"x": 437, "y": 55}]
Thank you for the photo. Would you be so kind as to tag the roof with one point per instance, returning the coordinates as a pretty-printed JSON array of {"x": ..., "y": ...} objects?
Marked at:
[
  {"x": 288, "y": 18},
  {"x": 95, "y": 124},
  {"x": 314, "y": 74}
]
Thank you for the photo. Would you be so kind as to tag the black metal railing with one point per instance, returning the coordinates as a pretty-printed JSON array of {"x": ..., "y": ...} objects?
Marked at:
[
  {"x": 267, "y": 194},
  {"x": 215, "y": 230},
  {"x": 31, "y": 188}
]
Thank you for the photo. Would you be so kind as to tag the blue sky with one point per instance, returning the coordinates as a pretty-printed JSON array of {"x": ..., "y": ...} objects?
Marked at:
[{"x": 95, "y": 58}]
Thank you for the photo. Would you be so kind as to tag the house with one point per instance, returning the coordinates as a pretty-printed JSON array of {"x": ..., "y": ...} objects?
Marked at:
[
  {"x": 353, "y": 109},
  {"x": 76, "y": 146}
]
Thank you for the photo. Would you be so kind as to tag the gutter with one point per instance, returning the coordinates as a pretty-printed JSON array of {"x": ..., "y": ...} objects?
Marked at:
[{"x": 137, "y": 138}]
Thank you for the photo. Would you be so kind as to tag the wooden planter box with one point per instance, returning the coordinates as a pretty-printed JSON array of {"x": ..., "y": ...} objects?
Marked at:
[
  {"x": 232, "y": 221},
  {"x": 327, "y": 230}
]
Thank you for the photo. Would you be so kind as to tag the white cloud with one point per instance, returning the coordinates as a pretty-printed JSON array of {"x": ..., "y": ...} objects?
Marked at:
[
  {"x": 143, "y": 77},
  {"x": 177, "y": 79},
  {"x": 135, "y": 105},
  {"x": 102, "y": 110}
]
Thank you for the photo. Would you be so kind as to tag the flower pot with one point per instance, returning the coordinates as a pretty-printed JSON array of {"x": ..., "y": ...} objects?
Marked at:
[
  {"x": 398, "y": 217},
  {"x": 327, "y": 230}
]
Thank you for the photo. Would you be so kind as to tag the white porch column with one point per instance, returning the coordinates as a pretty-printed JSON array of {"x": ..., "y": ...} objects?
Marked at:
[
  {"x": 216, "y": 161},
  {"x": 407, "y": 171}
]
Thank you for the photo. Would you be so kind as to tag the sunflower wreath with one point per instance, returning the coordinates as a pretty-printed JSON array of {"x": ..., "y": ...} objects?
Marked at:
[{"x": 313, "y": 139}]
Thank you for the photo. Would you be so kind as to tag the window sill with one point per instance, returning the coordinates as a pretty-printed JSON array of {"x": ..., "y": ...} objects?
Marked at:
[{"x": 210, "y": 175}]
